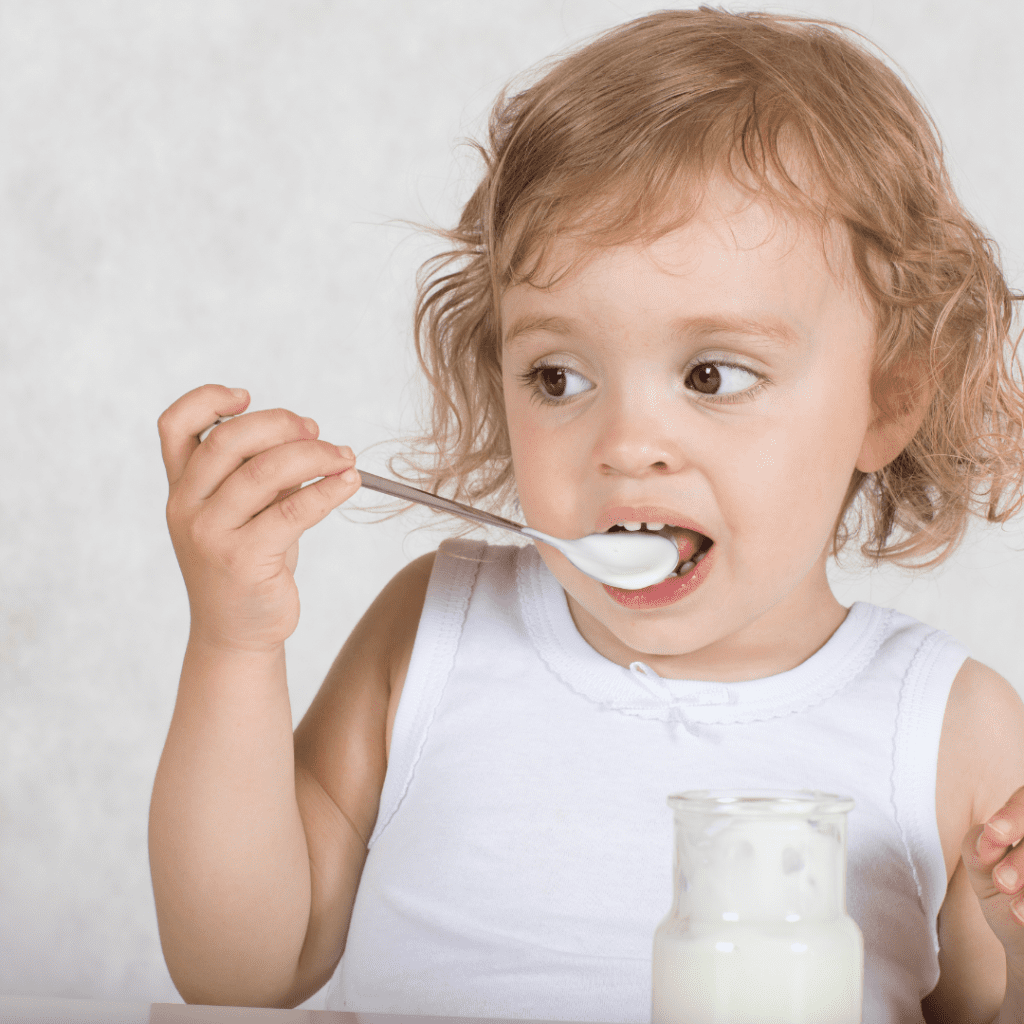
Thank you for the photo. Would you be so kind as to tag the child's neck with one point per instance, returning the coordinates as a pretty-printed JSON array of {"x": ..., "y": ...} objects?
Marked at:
[{"x": 770, "y": 642}]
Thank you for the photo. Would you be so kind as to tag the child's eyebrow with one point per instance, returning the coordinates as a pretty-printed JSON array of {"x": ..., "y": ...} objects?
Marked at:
[
  {"x": 769, "y": 329},
  {"x": 532, "y": 322}
]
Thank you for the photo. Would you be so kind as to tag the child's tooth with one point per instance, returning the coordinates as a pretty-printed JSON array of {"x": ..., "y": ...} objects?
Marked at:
[
  {"x": 697, "y": 558},
  {"x": 632, "y": 527},
  {"x": 655, "y": 527},
  {"x": 686, "y": 567}
]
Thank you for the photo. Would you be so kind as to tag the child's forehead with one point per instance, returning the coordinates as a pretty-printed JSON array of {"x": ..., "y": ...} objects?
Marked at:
[{"x": 723, "y": 220}]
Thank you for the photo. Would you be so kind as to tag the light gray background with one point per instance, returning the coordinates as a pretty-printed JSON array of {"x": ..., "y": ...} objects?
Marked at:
[{"x": 200, "y": 190}]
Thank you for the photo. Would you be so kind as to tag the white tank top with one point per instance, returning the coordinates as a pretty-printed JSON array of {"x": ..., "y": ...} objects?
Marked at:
[{"x": 522, "y": 855}]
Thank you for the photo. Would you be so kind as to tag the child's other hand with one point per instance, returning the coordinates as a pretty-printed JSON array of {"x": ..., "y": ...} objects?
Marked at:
[
  {"x": 237, "y": 508},
  {"x": 991, "y": 860}
]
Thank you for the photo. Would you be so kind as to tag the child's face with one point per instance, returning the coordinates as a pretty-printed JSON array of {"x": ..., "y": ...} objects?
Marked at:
[{"x": 610, "y": 382}]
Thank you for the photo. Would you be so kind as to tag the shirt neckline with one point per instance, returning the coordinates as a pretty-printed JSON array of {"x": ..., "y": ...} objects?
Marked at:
[{"x": 639, "y": 691}]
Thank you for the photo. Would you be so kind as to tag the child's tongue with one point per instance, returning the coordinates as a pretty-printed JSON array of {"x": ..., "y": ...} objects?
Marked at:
[{"x": 687, "y": 541}]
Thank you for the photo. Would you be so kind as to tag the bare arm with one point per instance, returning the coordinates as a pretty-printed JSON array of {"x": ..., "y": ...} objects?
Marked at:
[
  {"x": 227, "y": 846},
  {"x": 327, "y": 794},
  {"x": 228, "y": 849}
]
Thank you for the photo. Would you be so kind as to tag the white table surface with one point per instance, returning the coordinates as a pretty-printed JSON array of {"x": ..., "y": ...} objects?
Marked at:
[{"x": 37, "y": 1010}]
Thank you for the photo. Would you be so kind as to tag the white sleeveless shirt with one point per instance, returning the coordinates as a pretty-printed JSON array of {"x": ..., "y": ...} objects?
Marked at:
[{"x": 522, "y": 855}]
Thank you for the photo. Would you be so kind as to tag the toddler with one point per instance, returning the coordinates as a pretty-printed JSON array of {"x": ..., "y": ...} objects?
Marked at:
[{"x": 714, "y": 284}]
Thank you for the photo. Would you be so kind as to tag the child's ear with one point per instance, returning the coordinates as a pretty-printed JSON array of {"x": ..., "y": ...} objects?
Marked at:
[{"x": 901, "y": 400}]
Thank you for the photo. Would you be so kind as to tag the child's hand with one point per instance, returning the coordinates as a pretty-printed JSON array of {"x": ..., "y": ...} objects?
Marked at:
[
  {"x": 989, "y": 854},
  {"x": 236, "y": 511}
]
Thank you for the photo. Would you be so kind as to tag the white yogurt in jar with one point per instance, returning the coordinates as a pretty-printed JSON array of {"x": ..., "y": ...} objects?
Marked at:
[
  {"x": 732, "y": 976},
  {"x": 758, "y": 931}
]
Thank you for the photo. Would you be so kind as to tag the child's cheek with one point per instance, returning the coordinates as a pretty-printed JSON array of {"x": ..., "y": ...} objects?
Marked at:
[
  {"x": 546, "y": 481},
  {"x": 767, "y": 457},
  {"x": 535, "y": 462}
]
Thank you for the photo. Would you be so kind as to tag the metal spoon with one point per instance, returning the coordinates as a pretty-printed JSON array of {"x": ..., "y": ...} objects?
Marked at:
[{"x": 629, "y": 561}]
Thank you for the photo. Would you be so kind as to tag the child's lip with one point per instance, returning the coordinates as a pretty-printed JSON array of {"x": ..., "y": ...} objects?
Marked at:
[{"x": 646, "y": 514}]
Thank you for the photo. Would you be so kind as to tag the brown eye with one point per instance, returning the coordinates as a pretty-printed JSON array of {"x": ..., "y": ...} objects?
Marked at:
[
  {"x": 706, "y": 378},
  {"x": 552, "y": 381}
]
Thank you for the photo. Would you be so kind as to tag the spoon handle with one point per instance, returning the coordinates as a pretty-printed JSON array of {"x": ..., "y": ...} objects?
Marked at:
[
  {"x": 396, "y": 490},
  {"x": 434, "y": 501}
]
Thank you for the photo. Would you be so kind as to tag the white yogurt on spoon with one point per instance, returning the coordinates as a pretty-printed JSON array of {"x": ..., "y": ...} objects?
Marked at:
[{"x": 630, "y": 561}]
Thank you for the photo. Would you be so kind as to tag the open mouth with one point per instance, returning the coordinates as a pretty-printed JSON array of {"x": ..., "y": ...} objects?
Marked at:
[{"x": 693, "y": 546}]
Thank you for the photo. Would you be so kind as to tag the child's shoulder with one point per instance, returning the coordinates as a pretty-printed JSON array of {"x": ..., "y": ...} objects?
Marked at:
[
  {"x": 981, "y": 751},
  {"x": 981, "y": 763}
]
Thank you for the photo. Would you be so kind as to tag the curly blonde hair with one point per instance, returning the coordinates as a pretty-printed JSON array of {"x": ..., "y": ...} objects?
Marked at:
[{"x": 603, "y": 146}]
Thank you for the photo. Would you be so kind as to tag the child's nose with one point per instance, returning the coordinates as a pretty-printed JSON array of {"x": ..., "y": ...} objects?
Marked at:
[{"x": 636, "y": 439}]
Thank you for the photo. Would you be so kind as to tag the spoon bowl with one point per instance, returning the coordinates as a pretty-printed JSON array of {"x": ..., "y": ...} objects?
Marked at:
[{"x": 629, "y": 561}]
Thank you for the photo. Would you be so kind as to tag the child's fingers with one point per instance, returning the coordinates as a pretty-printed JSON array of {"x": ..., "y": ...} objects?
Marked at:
[
  {"x": 269, "y": 477},
  {"x": 990, "y": 850},
  {"x": 206, "y": 433},
  {"x": 234, "y": 443},
  {"x": 181, "y": 423},
  {"x": 283, "y": 523}
]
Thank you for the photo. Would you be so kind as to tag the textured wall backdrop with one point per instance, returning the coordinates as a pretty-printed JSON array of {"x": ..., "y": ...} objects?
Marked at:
[{"x": 195, "y": 191}]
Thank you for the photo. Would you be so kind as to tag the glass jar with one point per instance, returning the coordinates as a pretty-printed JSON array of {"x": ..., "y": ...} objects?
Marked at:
[{"x": 758, "y": 931}]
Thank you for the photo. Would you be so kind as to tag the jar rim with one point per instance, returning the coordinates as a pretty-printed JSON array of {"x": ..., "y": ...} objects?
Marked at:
[{"x": 750, "y": 802}]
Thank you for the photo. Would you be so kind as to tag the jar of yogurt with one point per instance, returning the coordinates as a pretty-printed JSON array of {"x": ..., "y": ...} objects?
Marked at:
[{"x": 758, "y": 931}]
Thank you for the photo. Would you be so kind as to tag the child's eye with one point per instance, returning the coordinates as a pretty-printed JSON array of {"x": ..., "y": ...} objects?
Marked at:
[
  {"x": 551, "y": 383},
  {"x": 722, "y": 381}
]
